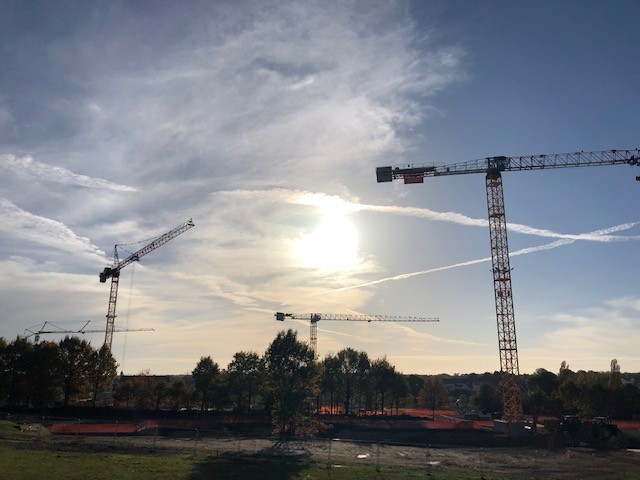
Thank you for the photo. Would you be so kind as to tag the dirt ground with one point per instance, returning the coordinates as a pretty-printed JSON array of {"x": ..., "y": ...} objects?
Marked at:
[{"x": 520, "y": 463}]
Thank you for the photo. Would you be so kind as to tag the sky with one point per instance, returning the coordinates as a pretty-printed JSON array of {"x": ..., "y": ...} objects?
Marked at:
[{"x": 264, "y": 121}]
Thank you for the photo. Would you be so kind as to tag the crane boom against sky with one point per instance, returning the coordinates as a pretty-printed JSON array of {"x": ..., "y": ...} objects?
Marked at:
[
  {"x": 492, "y": 168},
  {"x": 113, "y": 272},
  {"x": 55, "y": 329},
  {"x": 314, "y": 318}
]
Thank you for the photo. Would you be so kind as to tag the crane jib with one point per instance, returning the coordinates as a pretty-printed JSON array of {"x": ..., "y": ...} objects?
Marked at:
[{"x": 415, "y": 174}]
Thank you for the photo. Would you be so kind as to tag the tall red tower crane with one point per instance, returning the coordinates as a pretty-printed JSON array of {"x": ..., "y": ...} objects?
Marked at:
[
  {"x": 113, "y": 272},
  {"x": 492, "y": 168},
  {"x": 314, "y": 318}
]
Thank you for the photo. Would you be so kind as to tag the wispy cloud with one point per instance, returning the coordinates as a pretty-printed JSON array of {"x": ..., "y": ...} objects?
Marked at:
[
  {"x": 27, "y": 166},
  {"x": 45, "y": 231}
]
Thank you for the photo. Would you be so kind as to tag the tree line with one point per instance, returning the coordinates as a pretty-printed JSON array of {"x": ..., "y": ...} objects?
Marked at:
[
  {"x": 49, "y": 374},
  {"x": 288, "y": 383}
]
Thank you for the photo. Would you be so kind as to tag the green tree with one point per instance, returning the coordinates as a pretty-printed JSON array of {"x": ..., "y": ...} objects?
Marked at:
[
  {"x": 244, "y": 374},
  {"x": 74, "y": 367},
  {"x": 205, "y": 377},
  {"x": 290, "y": 381},
  {"x": 102, "y": 371},
  {"x": 433, "y": 394}
]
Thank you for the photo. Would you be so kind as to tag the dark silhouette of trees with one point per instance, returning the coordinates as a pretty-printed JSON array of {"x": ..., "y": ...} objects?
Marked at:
[
  {"x": 355, "y": 381},
  {"x": 205, "y": 377},
  {"x": 102, "y": 371},
  {"x": 487, "y": 399},
  {"x": 177, "y": 394},
  {"x": 19, "y": 360},
  {"x": 415, "y": 384},
  {"x": 244, "y": 374},
  {"x": 383, "y": 378},
  {"x": 433, "y": 394},
  {"x": 291, "y": 375},
  {"x": 45, "y": 375},
  {"x": 74, "y": 355},
  {"x": 330, "y": 379}
]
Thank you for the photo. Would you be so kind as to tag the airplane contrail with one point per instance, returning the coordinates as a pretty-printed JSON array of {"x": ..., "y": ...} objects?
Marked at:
[
  {"x": 345, "y": 207},
  {"x": 523, "y": 251}
]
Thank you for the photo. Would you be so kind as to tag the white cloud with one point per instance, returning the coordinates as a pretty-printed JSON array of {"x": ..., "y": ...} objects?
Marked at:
[
  {"x": 45, "y": 231},
  {"x": 27, "y": 166}
]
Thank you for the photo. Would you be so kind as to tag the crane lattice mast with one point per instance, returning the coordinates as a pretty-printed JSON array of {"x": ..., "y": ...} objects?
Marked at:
[
  {"x": 113, "y": 272},
  {"x": 314, "y": 318},
  {"x": 492, "y": 168}
]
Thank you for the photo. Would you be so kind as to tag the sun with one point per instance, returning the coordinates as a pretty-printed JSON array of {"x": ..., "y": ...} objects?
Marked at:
[{"x": 333, "y": 245}]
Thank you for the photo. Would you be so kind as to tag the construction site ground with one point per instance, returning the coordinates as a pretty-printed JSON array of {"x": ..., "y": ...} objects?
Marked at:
[{"x": 378, "y": 443}]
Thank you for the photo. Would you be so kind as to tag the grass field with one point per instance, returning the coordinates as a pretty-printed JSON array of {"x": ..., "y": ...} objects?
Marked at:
[
  {"x": 25, "y": 456},
  {"x": 26, "y": 462}
]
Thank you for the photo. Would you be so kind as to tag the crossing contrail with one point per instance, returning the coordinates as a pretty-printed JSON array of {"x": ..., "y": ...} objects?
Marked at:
[{"x": 523, "y": 251}]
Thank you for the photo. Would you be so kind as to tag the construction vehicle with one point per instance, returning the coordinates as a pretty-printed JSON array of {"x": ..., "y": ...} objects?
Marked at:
[
  {"x": 314, "y": 318},
  {"x": 113, "y": 272},
  {"x": 493, "y": 167}
]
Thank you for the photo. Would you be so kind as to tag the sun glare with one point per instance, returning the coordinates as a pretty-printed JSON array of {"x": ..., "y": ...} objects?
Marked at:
[{"x": 332, "y": 246}]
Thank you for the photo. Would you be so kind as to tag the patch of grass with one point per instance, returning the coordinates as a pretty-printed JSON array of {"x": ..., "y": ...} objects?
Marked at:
[{"x": 27, "y": 460}]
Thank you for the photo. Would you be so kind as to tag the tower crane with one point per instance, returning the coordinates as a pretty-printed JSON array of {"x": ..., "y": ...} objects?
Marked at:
[
  {"x": 314, "y": 318},
  {"x": 30, "y": 332},
  {"x": 492, "y": 168},
  {"x": 113, "y": 272}
]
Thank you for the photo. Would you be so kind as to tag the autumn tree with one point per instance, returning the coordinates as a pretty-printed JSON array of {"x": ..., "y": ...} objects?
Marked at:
[{"x": 290, "y": 382}]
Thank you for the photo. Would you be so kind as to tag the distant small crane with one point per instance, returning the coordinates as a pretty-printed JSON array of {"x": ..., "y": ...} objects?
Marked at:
[
  {"x": 314, "y": 318},
  {"x": 113, "y": 272},
  {"x": 55, "y": 329}
]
